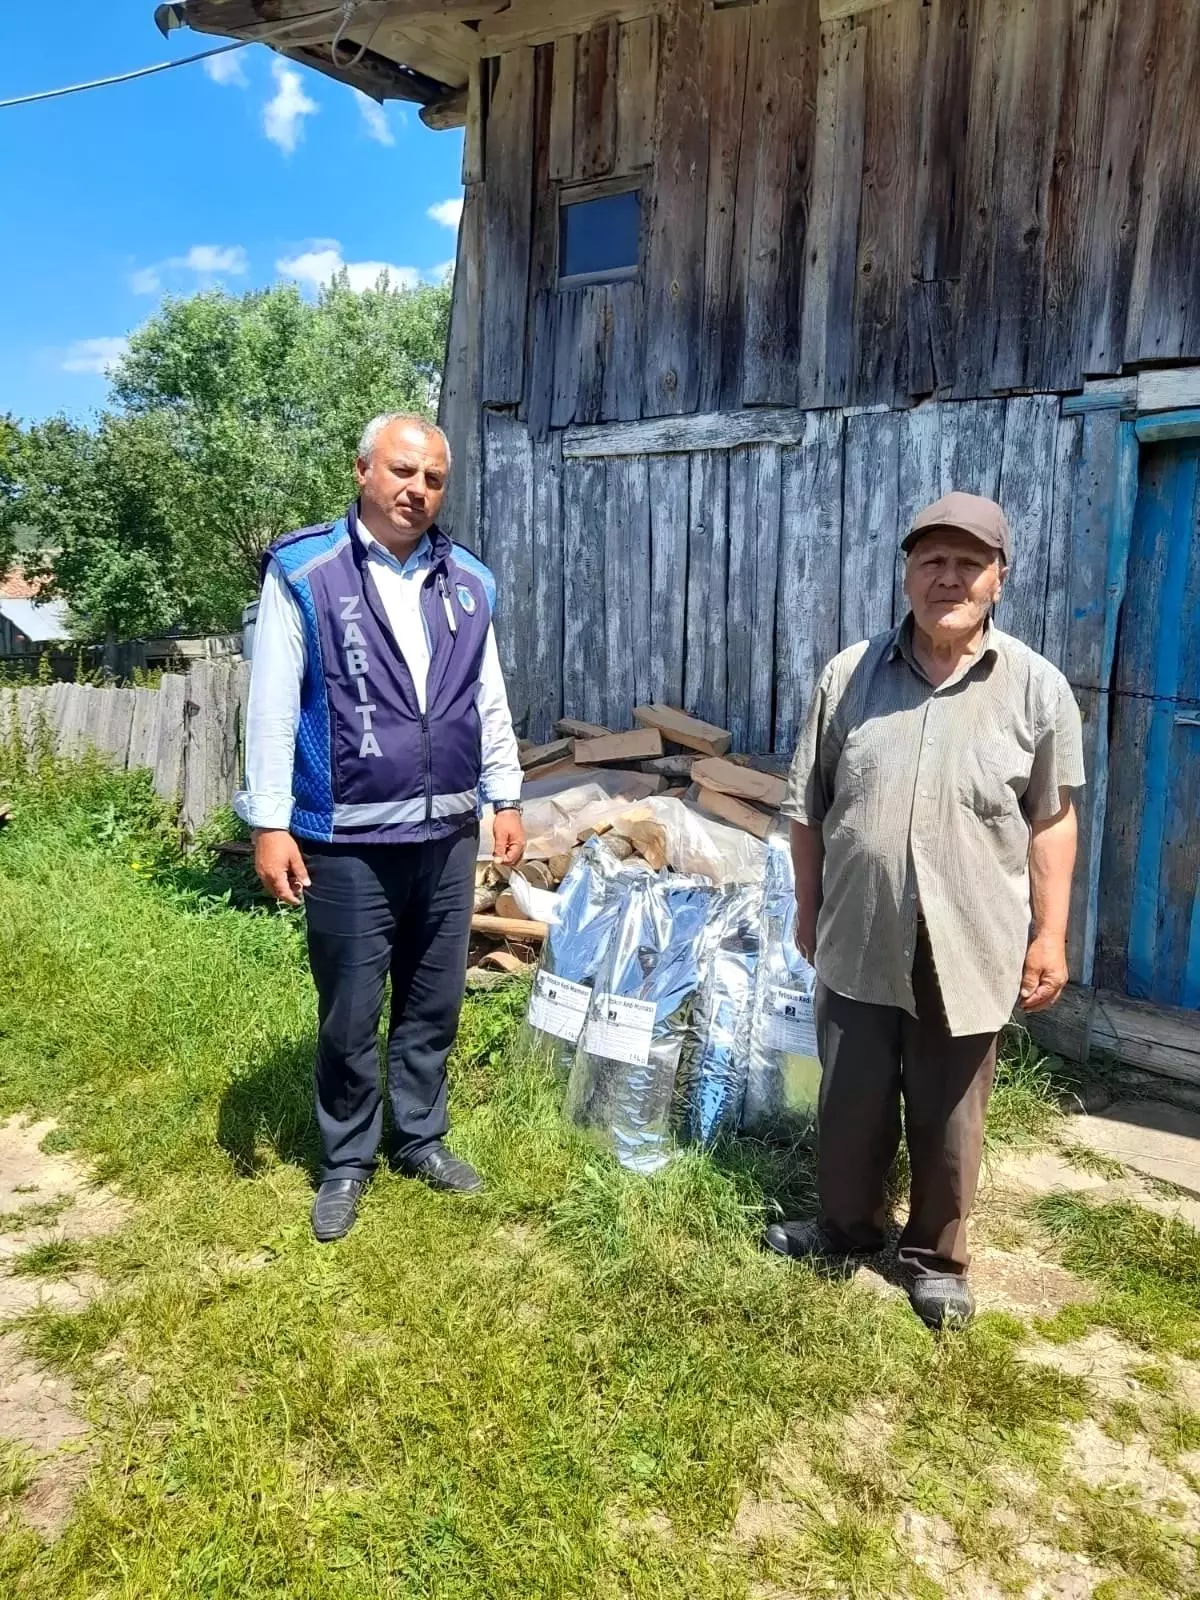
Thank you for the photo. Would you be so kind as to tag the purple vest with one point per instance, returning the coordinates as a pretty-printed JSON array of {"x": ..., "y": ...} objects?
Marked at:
[{"x": 370, "y": 767}]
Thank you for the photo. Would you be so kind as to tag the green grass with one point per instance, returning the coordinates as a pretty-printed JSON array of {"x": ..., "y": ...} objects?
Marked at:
[{"x": 501, "y": 1398}]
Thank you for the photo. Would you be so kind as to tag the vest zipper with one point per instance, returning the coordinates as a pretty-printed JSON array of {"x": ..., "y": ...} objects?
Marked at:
[{"x": 427, "y": 754}]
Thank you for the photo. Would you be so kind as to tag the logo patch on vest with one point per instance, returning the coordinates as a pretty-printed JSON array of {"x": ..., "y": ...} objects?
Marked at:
[{"x": 465, "y": 599}]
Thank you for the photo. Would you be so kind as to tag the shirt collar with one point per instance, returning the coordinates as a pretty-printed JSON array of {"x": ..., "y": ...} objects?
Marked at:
[
  {"x": 420, "y": 557},
  {"x": 901, "y": 647}
]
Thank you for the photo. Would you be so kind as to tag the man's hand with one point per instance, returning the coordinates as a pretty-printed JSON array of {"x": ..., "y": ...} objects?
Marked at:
[
  {"x": 279, "y": 865},
  {"x": 1045, "y": 974},
  {"x": 806, "y": 929},
  {"x": 508, "y": 838}
]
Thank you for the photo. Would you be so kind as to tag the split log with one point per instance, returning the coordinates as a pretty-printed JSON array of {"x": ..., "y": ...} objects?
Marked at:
[
  {"x": 727, "y": 809},
  {"x": 640, "y": 745},
  {"x": 650, "y": 841},
  {"x": 561, "y": 864},
  {"x": 543, "y": 755},
  {"x": 574, "y": 728},
  {"x": 505, "y": 961},
  {"x": 672, "y": 768},
  {"x": 679, "y": 728},
  {"x": 742, "y": 782},
  {"x": 485, "y": 897},
  {"x": 498, "y": 927},
  {"x": 537, "y": 873}
]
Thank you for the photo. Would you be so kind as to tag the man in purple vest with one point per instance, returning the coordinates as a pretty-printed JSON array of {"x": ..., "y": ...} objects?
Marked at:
[{"x": 377, "y": 725}]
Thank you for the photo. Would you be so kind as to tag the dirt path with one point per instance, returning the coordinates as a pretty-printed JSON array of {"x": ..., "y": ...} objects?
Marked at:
[{"x": 45, "y": 1200}]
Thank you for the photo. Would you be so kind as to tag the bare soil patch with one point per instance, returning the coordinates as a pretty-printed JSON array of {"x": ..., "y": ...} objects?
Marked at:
[{"x": 44, "y": 1198}]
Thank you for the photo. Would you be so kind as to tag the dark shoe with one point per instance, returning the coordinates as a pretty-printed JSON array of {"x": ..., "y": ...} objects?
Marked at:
[
  {"x": 942, "y": 1302},
  {"x": 336, "y": 1207},
  {"x": 441, "y": 1170},
  {"x": 802, "y": 1241}
]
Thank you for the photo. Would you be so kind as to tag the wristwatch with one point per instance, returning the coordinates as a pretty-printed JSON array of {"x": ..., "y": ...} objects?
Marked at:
[{"x": 508, "y": 805}]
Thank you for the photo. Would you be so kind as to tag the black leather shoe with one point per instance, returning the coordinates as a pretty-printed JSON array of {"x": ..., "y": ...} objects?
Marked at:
[
  {"x": 336, "y": 1207},
  {"x": 441, "y": 1170},
  {"x": 802, "y": 1241},
  {"x": 942, "y": 1301}
]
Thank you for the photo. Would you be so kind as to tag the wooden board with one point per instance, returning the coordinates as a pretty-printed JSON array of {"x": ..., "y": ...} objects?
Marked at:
[
  {"x": 583, "y": 590},
  {"x": 679, "y": 728},
  {"x": 744, "y": 783},
  {"x": 1166, "y": 274},
  {"x": 508, "y": 222},
  {"x": 458, "y": 400},
  {"x": 891, "y": 128},
  {"x": 779, "y": 111},
  {"x": 717, "y": 430},
  {"x": 1068, "y": 441},
  {"x": 1128, "y": 101},
  {"x": 169, "y": 735},
  {"x": 807, "y": 595},
  {"x": 982, "y": 184},
  {"x": 845, "y": 201},
  {"x": 919, "y": 480},
  {"x": 704, "y": 686},
  {"x": 675, "y": 236},
  {"x": 754, "y": 508},
  {"x": 521, "y": 928},
  {"x": 1026, "y": 493},
  {"x": 1071, "y": 208},
  {"x": 730, "y": 197},
  {"x": 508, "y": 550},
  {"x": 736, "y": 812},
  {"x": 869, "y": 526},
  {"x": 595, "y": 141},
  {"x": 541, "y": 755},
  {"x": 640, "y": 745},
  {"x": 546, "y": 648},
  {"x": 637, "y": 89},
  {"x": 628, "y": 629},
  {"x": 669, "y": 486},
  {"x": 561, "y": 161},
  {"x": 1106, "y": 1026}
]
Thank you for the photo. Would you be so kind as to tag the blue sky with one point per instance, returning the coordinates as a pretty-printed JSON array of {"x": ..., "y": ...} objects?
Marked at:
[{"x": 249, "y": 171}]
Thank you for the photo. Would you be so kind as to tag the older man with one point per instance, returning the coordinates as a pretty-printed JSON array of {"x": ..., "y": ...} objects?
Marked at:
[
  {"x": 377, "y": 719},
  {"x": 933, "y": 835}
]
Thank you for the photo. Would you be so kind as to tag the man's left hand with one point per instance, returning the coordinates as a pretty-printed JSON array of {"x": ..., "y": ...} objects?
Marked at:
[
  {"x": 1045, "y": 975},
  {"x": 508, "y": 838}
]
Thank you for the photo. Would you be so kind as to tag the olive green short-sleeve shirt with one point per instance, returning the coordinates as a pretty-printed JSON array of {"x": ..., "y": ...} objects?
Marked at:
[{"x": 924, "y": 797}]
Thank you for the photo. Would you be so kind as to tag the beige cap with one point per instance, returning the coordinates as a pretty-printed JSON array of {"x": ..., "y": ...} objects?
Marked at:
[{"x": 971, "y": 513}]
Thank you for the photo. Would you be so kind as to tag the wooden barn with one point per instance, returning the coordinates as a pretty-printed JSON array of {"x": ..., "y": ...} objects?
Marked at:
[{"x": 741, "y": 286}]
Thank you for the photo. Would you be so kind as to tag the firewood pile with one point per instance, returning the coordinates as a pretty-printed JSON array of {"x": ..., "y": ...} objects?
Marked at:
[{"x": 667, "y": 753}]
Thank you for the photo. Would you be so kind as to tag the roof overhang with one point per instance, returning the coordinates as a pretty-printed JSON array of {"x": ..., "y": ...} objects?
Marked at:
[{"x": 410, "y": 50}]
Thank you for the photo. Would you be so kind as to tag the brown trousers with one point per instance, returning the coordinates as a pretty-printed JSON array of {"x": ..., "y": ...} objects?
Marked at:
[{"x": 872, "y": 1057}]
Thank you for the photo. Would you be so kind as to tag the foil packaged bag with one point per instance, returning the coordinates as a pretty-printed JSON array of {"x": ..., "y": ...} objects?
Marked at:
[
  {"x": 712, "y": 1083},
  {"x": 587, "y": 906},
  {"x": 784, "y": 1075},
  {"x": 622, "y": 1081}
]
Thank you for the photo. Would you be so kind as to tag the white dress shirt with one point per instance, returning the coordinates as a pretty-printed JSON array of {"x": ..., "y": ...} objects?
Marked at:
[{"x": 277, "y": 672}]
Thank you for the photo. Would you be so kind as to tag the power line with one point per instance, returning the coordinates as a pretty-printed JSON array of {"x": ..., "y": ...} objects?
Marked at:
[{"x": 122, "y": 77}]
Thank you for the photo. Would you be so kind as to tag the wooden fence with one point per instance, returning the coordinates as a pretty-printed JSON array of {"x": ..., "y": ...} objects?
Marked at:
[{"x": 187, "y": 732}]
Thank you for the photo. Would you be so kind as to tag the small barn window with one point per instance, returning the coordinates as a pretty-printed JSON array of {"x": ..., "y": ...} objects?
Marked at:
[{"x": 599, "y": 236}]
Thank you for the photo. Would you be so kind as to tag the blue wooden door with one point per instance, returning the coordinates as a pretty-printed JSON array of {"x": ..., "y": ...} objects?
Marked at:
[{"x": 1149, "y": 924}]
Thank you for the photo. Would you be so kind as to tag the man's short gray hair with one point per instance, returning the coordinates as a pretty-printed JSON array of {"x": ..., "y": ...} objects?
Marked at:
[{"x": 369, "y": 437}]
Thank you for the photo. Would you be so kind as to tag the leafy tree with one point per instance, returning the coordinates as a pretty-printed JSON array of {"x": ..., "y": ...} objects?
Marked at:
[
  {"x": 10, "y": 470},
  {"x": 234, "y": 419}
]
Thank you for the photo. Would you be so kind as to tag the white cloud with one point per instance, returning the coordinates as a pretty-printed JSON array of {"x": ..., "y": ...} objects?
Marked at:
[
  {"x": 227, "y": 70},
  {"x": 285, "y": 111},
  {"x": 375, "y": 118},
  {"x": 316, "y": 267},
  {"x": 94, "y": 355},
  {"x": 447, "y": 212},
  {"x": 207, "y": 261},
  {"x": 443, "y": 270},
  {"x": 210, "y": 259}
]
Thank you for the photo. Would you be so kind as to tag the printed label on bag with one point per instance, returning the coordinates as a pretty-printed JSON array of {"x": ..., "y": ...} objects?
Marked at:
[
  {"x": 620, "y": 1029},
  {"x": 789, "y": 1022},
  {"x": 558, "y": 1006}
]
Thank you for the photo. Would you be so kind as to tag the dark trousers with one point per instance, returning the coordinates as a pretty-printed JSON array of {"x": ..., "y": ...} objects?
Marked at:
[
  {"x": 375, "y": 910},
  {"x": 872, "y": 1057}
]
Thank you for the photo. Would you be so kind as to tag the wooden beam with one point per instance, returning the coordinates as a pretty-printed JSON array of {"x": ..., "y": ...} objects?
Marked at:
[
  {"x": 1102, "y": 394},
  {"x": 1168, "y": 388},
  {"x": 445, "y": 114},
  {"x": 1168, "y": 425},
  {"x": 1094, "y": 1025},
  {"x": 714, "y": 430},
  {"x": 541, "y": 21},
  {"x": 679, "y": 728}
]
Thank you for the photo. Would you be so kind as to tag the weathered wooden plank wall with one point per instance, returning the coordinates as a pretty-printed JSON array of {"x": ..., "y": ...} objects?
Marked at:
[
  {"x": 724, "y": 578},
  {"x": 817, "y": 197}
]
